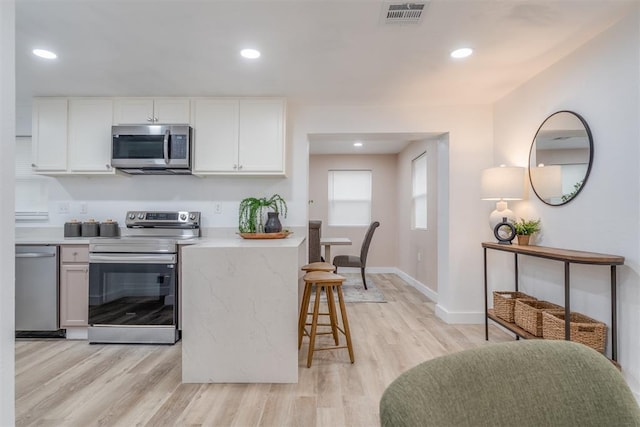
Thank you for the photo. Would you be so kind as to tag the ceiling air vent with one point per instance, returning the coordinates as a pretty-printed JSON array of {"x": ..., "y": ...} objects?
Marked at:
[{"x": 403, "y": 13}]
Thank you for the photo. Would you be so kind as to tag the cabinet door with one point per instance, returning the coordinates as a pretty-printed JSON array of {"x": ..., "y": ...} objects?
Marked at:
[
  {"x": 261, "y": 135},
  {"x": 215, "y": 135},
  {"x": 171, "y": 111},
  {"x": 90, "y": 135},
  {"x": 74, "y": 295},
  {"x": 49, "y": 134},
  {"x": 133, "y": 111}
]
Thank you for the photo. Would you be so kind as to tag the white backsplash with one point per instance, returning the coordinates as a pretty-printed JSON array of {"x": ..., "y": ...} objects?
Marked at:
[{"x": 217, "y": 198}]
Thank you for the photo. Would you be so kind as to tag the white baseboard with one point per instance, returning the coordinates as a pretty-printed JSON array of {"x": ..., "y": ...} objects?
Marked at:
[
  {"x": 449, "y": 317},
  {"x": 422, "y": 288},
  {"x": 77, "y": 333},
  {"x": 459, "y": 318}
]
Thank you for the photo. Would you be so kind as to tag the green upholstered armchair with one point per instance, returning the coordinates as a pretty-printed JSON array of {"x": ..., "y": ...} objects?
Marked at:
[{"x": 521, "y": 383}]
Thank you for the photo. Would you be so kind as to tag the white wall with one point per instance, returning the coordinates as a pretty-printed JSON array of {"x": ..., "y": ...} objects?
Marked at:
[
  {"x": 418, "y": 253},
  {"x": 384, "y": 204},
  {"x": 601, "y": 82},
  {"x": 7, "y": 263},
  {"x": 460, "y": 292}
]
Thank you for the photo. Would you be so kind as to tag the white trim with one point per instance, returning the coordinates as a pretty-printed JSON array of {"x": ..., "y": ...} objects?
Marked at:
[
  {"x": 77, "y": 333},
  {"x": 459, "y": 318},
  {"x": 421, "y": 287}
]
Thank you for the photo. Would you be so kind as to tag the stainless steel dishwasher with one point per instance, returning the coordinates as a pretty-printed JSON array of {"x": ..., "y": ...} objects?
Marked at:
[{"x": 37, "y": 291}]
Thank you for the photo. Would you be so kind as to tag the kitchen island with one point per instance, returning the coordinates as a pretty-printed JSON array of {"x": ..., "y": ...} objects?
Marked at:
[{"x": 240, "y": 310}]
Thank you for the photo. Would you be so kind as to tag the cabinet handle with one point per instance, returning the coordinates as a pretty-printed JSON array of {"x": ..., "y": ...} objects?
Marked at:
[
  {"x": 155, "y": 119},
  {"x": 108, "y": 166},
  {"x": 235, "y": 166},
  {"x": 239, "y": 167},
  {"x": 33, "y": 165},
  {"x": 149, "y": 119}
]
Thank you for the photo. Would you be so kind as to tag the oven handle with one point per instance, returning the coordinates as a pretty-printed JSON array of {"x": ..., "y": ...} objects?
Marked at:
[{"x": 133, "y": 258}]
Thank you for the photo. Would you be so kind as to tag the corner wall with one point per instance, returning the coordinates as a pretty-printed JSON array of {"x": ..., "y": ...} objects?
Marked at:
[
  {"x": 7, "y": 184},
  {"x": 601, "y": 82}
]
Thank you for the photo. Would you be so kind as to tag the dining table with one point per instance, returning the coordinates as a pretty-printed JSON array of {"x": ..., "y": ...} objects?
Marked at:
[{"x": 327, "y": 242}]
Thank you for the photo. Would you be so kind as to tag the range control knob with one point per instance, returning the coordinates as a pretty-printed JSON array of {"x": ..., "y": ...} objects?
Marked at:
[
  {"x": 132, "y": 215},
  {"x": 183, "y": 217},
  {"x": 140, "y": 215},
  {"x": 192, "y": 217}
]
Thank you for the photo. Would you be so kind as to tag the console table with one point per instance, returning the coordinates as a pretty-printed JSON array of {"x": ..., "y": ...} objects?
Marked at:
[{"x": 568, "y": 257}]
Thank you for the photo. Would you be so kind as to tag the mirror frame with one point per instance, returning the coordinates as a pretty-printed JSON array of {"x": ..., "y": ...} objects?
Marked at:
[{"x": 588, "y": 172}]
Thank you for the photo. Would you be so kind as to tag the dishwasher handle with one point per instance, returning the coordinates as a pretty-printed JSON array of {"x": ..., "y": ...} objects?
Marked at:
[{"x": 35, "y": 255}]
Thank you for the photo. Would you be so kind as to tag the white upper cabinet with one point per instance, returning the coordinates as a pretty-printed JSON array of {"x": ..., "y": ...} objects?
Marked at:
[
  {"x": 132, "y": 111},
  {"x": 90, "y": 135},
  {"x": 72, "y": 136},
  {"x": 239, "y": 136},
  {"x": 215, "y": 134},
  {"x": 261, "y": 137},
  {"x": 49, "y": 135}
]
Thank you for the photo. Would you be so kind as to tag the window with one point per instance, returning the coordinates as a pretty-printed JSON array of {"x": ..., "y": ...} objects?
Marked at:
[
  {"x": 349, "y": 197},
  {"x": 32, "y": 193},
  {"x": 419, "y": 191}
]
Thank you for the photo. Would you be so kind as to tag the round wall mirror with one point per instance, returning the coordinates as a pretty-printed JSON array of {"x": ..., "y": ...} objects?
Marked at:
[{"x": 560, "y": 158}]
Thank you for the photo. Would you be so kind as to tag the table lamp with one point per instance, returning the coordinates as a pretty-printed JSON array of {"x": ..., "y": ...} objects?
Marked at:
[{"x": 502, "y": 183}]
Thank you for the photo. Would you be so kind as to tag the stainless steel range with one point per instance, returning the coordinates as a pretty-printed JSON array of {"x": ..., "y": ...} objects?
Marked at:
[{"x": 133, "y": 280}]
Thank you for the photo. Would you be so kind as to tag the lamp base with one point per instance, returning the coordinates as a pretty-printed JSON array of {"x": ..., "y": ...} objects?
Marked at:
[{"x": 496, "y": 217}]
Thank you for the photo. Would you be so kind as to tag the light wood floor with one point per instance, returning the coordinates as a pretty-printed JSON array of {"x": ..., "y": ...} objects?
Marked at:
[{"x": 72, "y": 383}]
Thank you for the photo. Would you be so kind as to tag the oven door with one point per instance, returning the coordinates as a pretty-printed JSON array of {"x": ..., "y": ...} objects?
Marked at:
[{"x": 132, "y": 291}]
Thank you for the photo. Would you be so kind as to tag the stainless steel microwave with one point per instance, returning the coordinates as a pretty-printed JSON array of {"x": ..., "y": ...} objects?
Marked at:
[{"x": 151, "y": 149}]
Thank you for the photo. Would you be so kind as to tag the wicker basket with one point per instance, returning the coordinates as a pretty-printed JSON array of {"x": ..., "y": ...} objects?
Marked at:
[
  {"x": 504, "y": 302},
  {"x": 528, "y": 314},
  {"x": 584, "y": 330}
]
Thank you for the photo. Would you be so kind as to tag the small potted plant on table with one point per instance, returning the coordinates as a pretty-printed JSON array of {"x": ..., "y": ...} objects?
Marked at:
[
  {"x": 251, "y": 214},
  {"x": 524, "y": 229}
]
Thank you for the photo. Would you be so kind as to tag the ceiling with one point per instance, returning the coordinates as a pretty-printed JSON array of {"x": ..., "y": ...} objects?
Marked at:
[{"x": 318, "y": 52}]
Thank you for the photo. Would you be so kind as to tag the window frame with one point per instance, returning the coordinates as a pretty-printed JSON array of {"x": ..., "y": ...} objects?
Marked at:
[{"x": 417, "y": 193}]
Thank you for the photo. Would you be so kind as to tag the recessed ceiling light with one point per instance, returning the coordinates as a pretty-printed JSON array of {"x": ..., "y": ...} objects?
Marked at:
[
  {"x": 357, "y": 144},
  {"x": 461, "y": 53},
  {"x": 42, "y": 53},
  {"x": 250, "y": 53}
]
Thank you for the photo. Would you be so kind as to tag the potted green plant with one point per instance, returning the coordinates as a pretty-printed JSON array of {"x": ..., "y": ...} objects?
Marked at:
[
  {"x": 251, "y": 214},
  {"x": 525, "y": 228}
]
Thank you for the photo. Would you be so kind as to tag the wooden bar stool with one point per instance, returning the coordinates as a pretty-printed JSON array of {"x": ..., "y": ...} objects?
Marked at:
[
  {"x": 327, "y": 281},
  {"x": 319, "y": 266}
]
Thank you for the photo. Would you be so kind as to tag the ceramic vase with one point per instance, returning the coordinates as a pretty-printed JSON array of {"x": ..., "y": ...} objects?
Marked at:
[{"x": 273, "y": 224}]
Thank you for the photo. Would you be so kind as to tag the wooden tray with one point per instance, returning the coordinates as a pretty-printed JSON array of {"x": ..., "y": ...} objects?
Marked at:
[{"x": 280, "y": 235}]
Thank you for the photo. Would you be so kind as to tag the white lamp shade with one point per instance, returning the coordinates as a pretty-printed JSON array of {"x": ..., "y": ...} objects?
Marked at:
[
  {"x": 503, "y": 183},
  {"x": 547, "y": 181}
]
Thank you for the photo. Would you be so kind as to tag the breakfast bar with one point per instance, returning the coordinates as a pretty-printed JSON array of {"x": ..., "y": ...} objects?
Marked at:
[{"x": 240, "y": 308}]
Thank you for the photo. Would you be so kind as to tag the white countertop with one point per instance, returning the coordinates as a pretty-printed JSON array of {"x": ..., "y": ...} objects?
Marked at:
[{"x": 212, "y": 238}]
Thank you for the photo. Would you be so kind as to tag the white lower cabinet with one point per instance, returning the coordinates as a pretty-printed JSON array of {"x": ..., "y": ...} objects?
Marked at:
[
  {"x": 74, "y": 285},
  {"x": 243, "y": 136}
]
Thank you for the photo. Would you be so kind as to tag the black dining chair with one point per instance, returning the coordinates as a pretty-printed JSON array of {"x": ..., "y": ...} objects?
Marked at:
[
  {"x": 358, "y": 261},
  {"x": 314, "y": 241}
]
